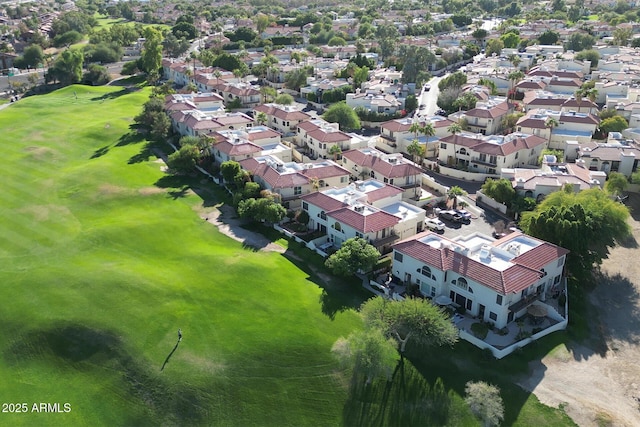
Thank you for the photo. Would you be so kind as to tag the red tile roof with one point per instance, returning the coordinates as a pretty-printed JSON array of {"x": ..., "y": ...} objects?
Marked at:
[
  {"x": 364, "y": 223},
  {"x": 401, "y": 168},
  {"x": 524, "y": 271},
  {"x": 282, "y": 113}
]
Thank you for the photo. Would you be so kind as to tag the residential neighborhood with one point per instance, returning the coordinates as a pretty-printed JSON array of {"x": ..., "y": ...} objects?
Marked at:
[{"x": 476, "y": 167}]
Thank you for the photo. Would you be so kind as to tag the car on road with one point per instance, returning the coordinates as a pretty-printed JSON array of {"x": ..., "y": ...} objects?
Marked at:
[
  {"x": 422, "y": 107},
  {"x": 441, "y": 113},
  {"x": 452, "y": 216},
  {"x": 466, "y": 215},
  {"x": 427, "y": 87},
  {"x": 434, "y": 224}
]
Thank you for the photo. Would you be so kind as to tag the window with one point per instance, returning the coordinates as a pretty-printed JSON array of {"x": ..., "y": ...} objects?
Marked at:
[
  {"x": 516, "y": 154},
  {"x": 499, "y": 299},
  {"x": 323, "y": 215},
  {"x": 443, "y": 146},
  {"x": 463, "y": 151},
  {"x": 358, "y": 234},
  {"x": 433, "y": 291},
  {"x": 561, "y": 262},
  {"x": 386, "y": 180},
  {"x": 556, "y": 280},
  {"x": 493, "y": 160},
  {"x": 493, "y": 316},
  {"x": 297, "y": 190},
  {"x": 337, "y": 226},
  {"x": 426, "y": 271},
  {"x": 343, "y": 179},
  {"x": 397, "y": 256},
  {"x": 462, "y": 283},
  {"x": 305, "y": 206}
]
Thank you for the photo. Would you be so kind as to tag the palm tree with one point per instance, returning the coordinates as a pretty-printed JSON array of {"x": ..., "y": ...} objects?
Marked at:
[
  {"x": 416, "y": 150},
  {"x": 217, "y": 74},
  {"x": 335, "y": 151},
  {"x": 515, "y": 60},
  {"x": 238, "y": 74},
  {"x": 453, "y": 194},
  {"x": 427, "y": 130},
  {"x": 550, "y": 123},
  {"x": 515, "y": 77},
  {"x": 415, "y": 128},
  {"x": 268, "y": 93},
  {"x": 261, "y": 118},
  {"x": 579, "y": 94},
  {"x": 454, "y": 128}
]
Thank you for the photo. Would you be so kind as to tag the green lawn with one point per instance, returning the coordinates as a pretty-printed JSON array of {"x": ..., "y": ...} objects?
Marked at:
[
  {"x": 103, "y": 258},
  {"x": 105, "y": 22}
]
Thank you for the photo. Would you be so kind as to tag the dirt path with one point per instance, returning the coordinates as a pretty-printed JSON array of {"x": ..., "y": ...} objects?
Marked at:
[
  {"x": 224, "y": 218},
  {"x": 601, "y": 389}
]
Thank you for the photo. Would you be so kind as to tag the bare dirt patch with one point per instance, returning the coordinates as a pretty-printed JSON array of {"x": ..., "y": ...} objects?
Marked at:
[
  {"x": 224, "y": 217},
  {"x": 601, "y": 386},
  {"x": 150, "y": 191}
]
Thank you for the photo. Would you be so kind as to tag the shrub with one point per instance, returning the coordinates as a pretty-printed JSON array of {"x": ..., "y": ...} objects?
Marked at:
[{"x": 480, "y": 330}]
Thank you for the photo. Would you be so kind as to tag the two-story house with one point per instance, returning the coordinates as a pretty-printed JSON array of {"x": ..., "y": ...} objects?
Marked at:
[
  {"x": 552, "y": 176},
  {"x": 612, "y": 156},
  {"x": 292, "y": 180},
  {"x": 199, "y": 122},
  {"x": 570, "y": 128},
  {"x": 494, "y": 280},
  {"x": 283, "y": 118},
  {"x": 486, "y": 117},
  {"x": 389, "y": 168},
  {"x": 489, "y": 154},
  {"x": 319, "y": 136},
  {"x": 395, "y": 135},
  {"x": 368, "y": 209}
]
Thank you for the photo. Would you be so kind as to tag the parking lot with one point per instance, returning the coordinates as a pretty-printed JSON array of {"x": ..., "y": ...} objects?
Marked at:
[{"x": 482, "y": 221}]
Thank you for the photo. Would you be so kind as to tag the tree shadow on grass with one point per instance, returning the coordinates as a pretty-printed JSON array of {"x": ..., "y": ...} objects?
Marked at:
[
  {"x": 111, "y": 95},
  {"x": 338, "y": 295},
  {"x": 101, "y": 152},
  {"x": 406, "y": 400},
  {"x": 88, "y": 349}
]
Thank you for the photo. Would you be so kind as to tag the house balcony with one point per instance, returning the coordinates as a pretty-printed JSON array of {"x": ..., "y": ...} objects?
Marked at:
[
  {"x": 525, "y": 302},
  {"x": 385, "y": 240},
  {"x": 478, "y": 161}
]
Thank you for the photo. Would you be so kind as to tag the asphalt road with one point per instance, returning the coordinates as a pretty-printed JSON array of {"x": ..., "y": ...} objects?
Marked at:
[{"x": 429, "y": 98}]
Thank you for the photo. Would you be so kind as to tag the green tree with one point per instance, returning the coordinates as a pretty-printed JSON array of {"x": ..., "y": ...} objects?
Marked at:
[
  {"x": 284, "y": 99},
  {"x": 295, "y": 79},
  {"x": 616, "y": 183},
  {"x": 151, "y": 55},
  {"x": 549, "y": 37},
  {"x": 479, "y": 34},
  {"x": 578, "y": 42},
  {"x": 387, "y": 36},
  {"x": 96, "y": 75},
  {"x": 453, "y": 194},
  {"x": 591, "y": 55},
  {"x": 587, "y": 223},
  {"x": 551, "y": 123},
  {"x": 160, "y": 126},
  {"x": 344, "y": 115},
  {"x": 455, "y": 80},
  {"x": 230, "y": 170},
  {"x": 416, "y": 150},
  {"x": 184, "y": 160},
  {"x": 32, "y": 56},
  {"x": 613, "y": 124},
  {"x": 67, "y": 69},
  {"x": 261, "y": 118},
  {"x": 494, "y": 46},
  {"x": 499, "y": 190},
  {"x": 485, "y": 402},
  {"x": 335, "y": 151},
  {"x": 510, "y": 40},
  {"x": 367, "y": 352},
  {"x": 466, "y": 101},
  {"x": 354, "y": 255},
  {"x": 412, "y": 319},
  {"x": 261, "y": 210},
  {"x": 454, "y": 128},
  {"x": 621, "y": 36}
]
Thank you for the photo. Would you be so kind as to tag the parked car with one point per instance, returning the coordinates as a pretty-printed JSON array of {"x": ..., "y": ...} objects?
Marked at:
[
  {"x": 466, "y": 215},
  {"x": 434, "y": 224},
  {"x": 422, "y": 107},
  {"x": 441, "y": 113},
  {"x": 452, "y": 216}
]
